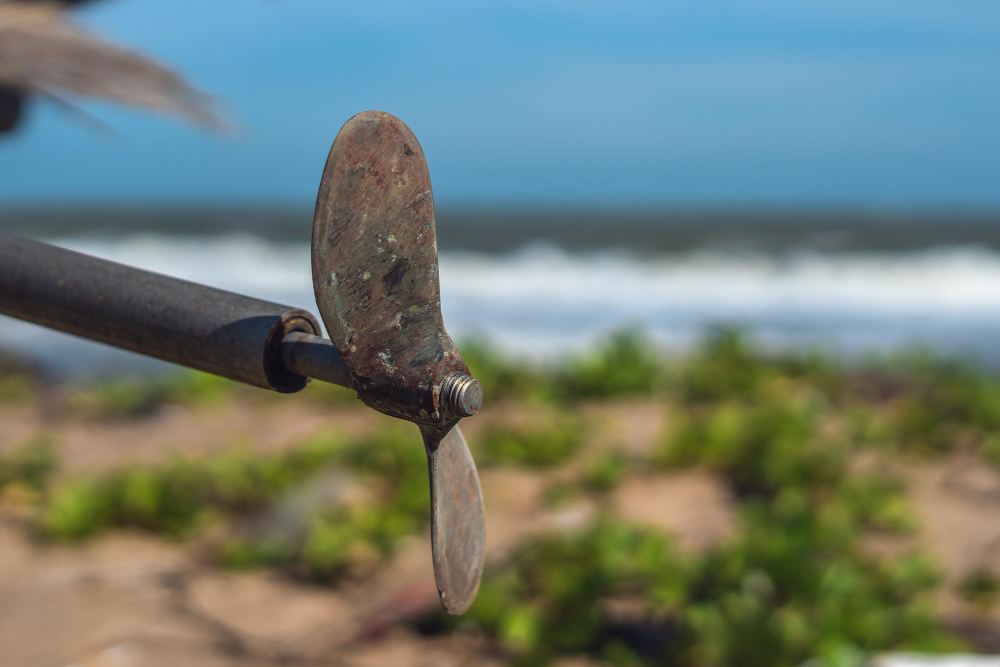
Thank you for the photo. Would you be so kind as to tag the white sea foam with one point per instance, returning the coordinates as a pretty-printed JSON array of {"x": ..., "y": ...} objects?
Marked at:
[{"x": 543, "y": 301}]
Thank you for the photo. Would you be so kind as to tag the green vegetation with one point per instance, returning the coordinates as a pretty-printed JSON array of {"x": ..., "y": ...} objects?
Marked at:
[
  {"x": 17, "y": 388},
  {"x": 503, "y": 378},
  {"x": 544, "y": 442},
  {"x": 17, "y": 383},
  {"x": 761, "y": 447},
  {"x": 980, "y": 587},
  {"x": 131, "y": 397},
  {"x": 792, "y": 587},
  {"x": 604, "y": 471},
  {"x": 352, "y": 538},
  {"x": 626, "y": 365},
  {"x": 30, "y": 465},
  {"x": 598, "y": 474},
  {"x": 796, "y": 582},
  {"x": 178, "y": 497},
  {"x": 809, "y": 449}
]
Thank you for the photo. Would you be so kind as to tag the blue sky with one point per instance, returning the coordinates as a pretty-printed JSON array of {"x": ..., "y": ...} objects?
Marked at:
[{"x": 785, "y": 102}]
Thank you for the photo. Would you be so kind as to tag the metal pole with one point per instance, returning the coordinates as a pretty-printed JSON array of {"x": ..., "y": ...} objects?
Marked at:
[
  {"x": 313, "y": 357},
  {"x": 201, "y": 327}
]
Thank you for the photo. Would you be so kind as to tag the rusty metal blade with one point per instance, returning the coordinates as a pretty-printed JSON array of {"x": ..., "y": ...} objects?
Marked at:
[
  {"x": 458, "y": 519},
  {"x": 375, "y": 268}
]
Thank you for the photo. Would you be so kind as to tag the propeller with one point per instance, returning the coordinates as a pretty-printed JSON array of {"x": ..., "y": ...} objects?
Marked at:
[{"x": 375, "y": 274}]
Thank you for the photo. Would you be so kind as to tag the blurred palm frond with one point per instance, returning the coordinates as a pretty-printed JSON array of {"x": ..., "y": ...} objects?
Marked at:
[{"x": 42, "y": 51}]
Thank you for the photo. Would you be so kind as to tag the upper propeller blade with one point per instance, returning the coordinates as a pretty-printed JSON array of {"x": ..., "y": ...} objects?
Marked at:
[{"x": 375, "y": 269}]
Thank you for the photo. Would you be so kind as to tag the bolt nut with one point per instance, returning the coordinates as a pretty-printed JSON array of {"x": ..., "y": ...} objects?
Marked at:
[{"x": 461, "y": 395}]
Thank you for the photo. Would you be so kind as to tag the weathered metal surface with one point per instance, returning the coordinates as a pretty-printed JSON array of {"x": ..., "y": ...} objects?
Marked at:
[
  {"x": 458, "y": 521},
  {"x": 375, "y": 269},
  {"x": 375, "y": 273},
  {"x": 220, "y": 332}
]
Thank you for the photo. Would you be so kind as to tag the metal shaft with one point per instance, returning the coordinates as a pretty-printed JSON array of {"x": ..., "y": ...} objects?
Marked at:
[
  {"x": 313, "y": 357},
  {"x": 201, "y": 327}
]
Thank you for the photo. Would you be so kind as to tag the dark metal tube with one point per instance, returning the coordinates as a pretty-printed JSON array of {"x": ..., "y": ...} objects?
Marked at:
[
  {"x": 314, "y": 357},
  {"x": 209, "y": 329}
]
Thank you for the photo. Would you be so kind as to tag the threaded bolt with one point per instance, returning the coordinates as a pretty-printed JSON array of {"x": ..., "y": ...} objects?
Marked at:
[{"x": 461, "y": 395}]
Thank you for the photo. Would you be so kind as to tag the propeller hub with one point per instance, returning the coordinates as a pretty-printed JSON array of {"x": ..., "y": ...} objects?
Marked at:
[{"x": 461, "y": 395}]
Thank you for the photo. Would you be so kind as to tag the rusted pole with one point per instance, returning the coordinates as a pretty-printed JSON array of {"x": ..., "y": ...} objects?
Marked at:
[{"x": 201, "y": 327}]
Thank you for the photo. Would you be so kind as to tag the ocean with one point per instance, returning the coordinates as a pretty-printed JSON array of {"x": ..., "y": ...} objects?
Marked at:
[{"x": 545, "y": 283}]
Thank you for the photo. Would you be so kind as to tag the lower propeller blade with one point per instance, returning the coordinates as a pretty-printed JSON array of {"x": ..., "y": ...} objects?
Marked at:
[{"x": 458, "y": 529}]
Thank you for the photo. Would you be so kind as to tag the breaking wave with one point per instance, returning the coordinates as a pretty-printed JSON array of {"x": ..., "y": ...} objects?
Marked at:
[{"x": 543, "y": 301}]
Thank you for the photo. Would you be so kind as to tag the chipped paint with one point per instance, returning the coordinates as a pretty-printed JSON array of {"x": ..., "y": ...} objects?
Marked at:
[{"x": 386, "y": 360}]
